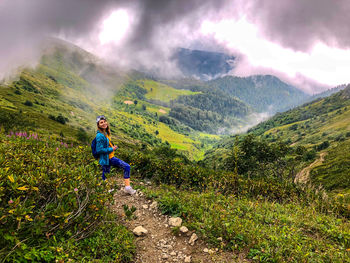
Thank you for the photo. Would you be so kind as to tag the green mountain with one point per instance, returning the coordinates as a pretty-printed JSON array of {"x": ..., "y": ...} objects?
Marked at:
[
  {"x": 318, "y": 128},
  {"x": 54, "y": 207},
  {"x": 264, "y": 93}
]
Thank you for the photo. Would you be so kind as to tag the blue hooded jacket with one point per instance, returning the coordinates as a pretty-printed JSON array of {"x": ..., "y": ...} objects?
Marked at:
[{"x": 102, "y": 148}]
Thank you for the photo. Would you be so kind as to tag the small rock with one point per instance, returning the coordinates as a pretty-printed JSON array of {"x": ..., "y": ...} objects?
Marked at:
[
  {"x": 193, "y": 238},
  {"x": 139, "y": 231},
  {"x": 166, "y": 225},
  {"x": 206, "y": 250},
  {"x": 153, "y": 205},
  {"x": 184, "y": 229},
  {"x": 145, "y": 206},
  {"x": 219, "y": 238},
  {"x": 188, "y": 259},
  {"x": 165, "y": 256},
  {"x": 175, "y": 221},
  {"x": 173, "y": 253}
]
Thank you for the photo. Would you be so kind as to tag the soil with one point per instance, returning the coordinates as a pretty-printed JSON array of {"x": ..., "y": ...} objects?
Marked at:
[
  {"x": 162, "y": 243},
  {"x": 129, "y": 102}
]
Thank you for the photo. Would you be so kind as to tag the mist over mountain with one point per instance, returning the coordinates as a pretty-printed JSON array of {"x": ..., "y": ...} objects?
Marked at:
[{"x": 204, "y": 65}]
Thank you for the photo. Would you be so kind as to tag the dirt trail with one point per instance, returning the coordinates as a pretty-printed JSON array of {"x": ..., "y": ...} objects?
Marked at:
[
  {"x": 304, "y": 175},
  {"x": 160, "y": 244}
]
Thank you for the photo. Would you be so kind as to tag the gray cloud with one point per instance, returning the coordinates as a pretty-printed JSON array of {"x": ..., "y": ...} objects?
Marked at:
[
  {"x": 299, "y": 23},
  {"x": 24, "y": 24}
]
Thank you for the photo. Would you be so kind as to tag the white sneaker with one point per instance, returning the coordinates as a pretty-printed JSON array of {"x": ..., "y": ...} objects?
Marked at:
[{"x": 129, "y": 190}]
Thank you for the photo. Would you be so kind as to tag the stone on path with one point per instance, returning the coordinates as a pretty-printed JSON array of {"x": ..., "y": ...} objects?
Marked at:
[
  {"x": 188, "y": 259},
  {"x": 153, "y": 205},
  {"x": 193, "y": 238},
  {"x": 183, "y": 229},
  {"x": 206, "y": 250},
  {"x": 140, "y": 231},
  {"x": 175, "y": 221}
]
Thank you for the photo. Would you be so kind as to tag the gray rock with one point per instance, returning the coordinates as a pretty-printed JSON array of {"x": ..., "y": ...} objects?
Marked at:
[
  {"x": 175, "y": 221},
  {"x": 188, "y": 259},
  {"x": 140, "y": 231},
  {"x": 206, "y": 250},
  {"x": 165, "y": 256},
  {"x": 173, "y": 253},
  {"x": 145, "y": 206}
]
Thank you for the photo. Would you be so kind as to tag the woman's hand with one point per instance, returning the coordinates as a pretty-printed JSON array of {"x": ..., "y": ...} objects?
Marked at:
[{"x": 115, "y": 147}]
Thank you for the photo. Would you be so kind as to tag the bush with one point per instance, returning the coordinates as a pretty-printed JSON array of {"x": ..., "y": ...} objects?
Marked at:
[
  {"x": 28, "y": 103},
  {"x": 59, "y": 118},
  {"x": 50, "y": 198}
]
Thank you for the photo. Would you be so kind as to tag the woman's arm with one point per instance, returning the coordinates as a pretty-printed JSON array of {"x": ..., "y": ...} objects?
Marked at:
[{"x": 100, "y": 149}]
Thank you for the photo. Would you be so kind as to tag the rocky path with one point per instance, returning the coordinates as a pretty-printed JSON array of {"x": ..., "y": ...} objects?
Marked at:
[
  {"x": 304, "y": 174},
  {"x": 155, "y": 240}
]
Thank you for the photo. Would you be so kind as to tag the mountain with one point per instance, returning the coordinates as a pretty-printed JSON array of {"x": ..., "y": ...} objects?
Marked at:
[
  {"x": 264, "y": 93},
  {"x": 70, "y": 87},
  {"x": 316, "y": 129},
  {"x": 204, "y": 65}
]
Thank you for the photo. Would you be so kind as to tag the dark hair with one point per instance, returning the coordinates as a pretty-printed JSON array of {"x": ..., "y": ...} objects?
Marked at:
[{"x": 108, "y": 131}]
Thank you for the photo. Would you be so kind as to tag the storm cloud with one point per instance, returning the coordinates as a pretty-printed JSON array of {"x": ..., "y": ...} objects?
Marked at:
[
  {"x": 298, "y": 24},
  {"x": 158, "y": 27}
]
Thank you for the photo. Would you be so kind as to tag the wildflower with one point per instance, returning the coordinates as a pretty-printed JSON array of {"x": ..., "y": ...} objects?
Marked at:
[
  {"x": 75, "y": 189},
  {"x": 56, "y": 149},
  {"x": 11, "y": 201}
]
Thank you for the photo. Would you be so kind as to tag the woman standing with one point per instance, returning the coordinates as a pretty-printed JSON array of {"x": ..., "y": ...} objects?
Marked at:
[{"x": 106, "y": 149}]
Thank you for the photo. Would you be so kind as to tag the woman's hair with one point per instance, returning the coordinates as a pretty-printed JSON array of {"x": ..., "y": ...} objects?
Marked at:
[{"x": 108, "y": 131}]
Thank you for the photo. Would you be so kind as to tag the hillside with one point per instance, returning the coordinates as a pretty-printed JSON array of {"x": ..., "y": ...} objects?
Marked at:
[
  {"x": 321, "y": 126},
  {"x": 264, "y": 93},
  {"x": 70, "y": 87}
]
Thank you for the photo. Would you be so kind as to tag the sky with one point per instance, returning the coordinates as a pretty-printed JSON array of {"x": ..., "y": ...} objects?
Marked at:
[{"x": 305, "y": 43}]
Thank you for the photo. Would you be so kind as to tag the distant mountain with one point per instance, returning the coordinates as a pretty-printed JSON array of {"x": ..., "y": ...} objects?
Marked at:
[
  {"x": 327, "y": 92},
  {"x": 204, "y": 65},
  {"x": 264, "y": 93}
]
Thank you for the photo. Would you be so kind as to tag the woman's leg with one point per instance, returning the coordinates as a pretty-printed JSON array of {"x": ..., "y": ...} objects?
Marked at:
[{"x": 119, "y": 163}]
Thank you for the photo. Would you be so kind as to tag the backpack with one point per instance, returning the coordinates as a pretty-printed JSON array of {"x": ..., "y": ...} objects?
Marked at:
[{"x": 93, "y": 149}]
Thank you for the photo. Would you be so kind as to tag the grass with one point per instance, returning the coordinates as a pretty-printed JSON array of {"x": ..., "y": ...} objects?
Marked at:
[
  {"x": 264, "y": 231},
  {"x": 162, "y": 92}
]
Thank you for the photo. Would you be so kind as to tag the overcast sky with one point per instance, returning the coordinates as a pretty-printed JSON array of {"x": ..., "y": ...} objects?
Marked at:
[{"x": 304, "y": 42}]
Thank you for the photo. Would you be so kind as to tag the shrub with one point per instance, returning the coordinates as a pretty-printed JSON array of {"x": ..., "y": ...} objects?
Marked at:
[
  {"x": 50, "y": 198},
  {"x": 28, "y": 103}
]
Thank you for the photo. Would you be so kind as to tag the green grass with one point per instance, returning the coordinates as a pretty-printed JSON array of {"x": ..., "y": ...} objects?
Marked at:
[
  {"x": 53, "y": 206},
  {"x": 264, "y": 231},
  {"x": 162, "y": 92}
]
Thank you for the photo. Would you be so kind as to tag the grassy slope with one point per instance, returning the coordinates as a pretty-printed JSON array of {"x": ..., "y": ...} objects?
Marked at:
[
  {"x": 321, "y": 121},
  {"x": 162, "y": 92},
  {"x": 62, "y": 84}
]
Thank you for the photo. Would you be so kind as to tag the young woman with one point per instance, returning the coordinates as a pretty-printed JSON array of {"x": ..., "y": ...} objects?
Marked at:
[{"x": 106, "y": 149}]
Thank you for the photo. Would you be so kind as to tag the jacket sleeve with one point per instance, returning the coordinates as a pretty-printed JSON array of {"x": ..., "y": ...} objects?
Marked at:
[{"x": 100, "y": 149}]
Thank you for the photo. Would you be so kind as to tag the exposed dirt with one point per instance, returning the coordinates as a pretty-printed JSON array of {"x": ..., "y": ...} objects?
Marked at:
[
  {"x": 161, "y": 244},
  {"x": 304, "y": 175},
  {"x": 162, "y": 111},
  {"x": 129, "y": 102}
]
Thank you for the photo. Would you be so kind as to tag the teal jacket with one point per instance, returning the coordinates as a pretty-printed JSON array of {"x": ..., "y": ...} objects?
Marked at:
[{"x": 102, "y": 148}]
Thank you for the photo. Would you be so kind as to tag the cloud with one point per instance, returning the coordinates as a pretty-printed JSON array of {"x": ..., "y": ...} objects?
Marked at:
[
  {"x": 157, "y": 27},
  {"x": 298, "y": 24}
]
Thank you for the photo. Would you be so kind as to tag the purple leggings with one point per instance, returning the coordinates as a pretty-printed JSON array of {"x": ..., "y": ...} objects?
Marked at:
[{"x": 116, "y": 163}]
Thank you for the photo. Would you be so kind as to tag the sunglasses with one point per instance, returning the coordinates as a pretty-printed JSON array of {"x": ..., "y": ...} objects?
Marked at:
[{"x": 101, "y": 117}]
